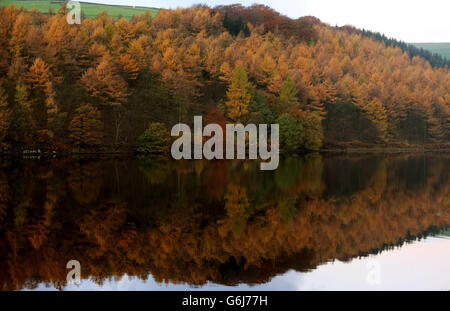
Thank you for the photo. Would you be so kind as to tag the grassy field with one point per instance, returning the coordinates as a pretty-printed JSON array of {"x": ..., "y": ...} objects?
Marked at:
[
  {"x": 89, "y": 9},
  {"x": 442, "y": 49}
]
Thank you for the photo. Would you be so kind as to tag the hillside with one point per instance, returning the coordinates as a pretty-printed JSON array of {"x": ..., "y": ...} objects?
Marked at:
[
  {"x": 434, "y": 58},
  {"x": 89, "y": 9},
  {"x": 442, "y": 49},
  {"x": 100, "y": 85}
]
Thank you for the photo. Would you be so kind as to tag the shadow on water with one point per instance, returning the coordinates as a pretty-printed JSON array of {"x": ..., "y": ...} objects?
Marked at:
[{"x": 224, "y": 222}]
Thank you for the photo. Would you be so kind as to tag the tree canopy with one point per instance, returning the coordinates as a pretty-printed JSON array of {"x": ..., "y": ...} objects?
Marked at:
[{"x": 352, "y": 88}]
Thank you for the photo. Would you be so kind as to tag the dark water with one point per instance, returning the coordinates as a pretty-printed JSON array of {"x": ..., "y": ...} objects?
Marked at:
[{"x": 317, "y": 222}]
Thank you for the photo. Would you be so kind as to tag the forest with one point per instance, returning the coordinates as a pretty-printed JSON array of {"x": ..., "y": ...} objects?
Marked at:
[{"x": 118, "y": 85}]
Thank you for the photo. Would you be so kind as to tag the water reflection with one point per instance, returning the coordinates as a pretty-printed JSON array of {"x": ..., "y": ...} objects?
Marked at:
[{"x": 203, "y": 222}]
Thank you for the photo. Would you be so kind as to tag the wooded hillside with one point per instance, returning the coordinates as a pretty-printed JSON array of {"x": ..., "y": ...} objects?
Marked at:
[{"x": 99, "y": 85}]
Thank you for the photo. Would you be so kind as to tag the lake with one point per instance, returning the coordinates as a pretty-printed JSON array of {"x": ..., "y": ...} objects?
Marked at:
[{"x": 318, "y": 222}]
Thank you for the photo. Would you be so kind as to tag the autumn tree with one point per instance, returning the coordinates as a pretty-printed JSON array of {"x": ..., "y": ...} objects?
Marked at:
[
  {"x": 238, "y": 95},
  {"x": 19, "y": 35},
  {"x": 86, "y": 127},
  {"x": 5, "y": 113},
  {"x": 107, "y": 90},
  {"x": 377, "y": 114},
  {"x": 130, "y": 66},
  {"x": 105, "y": 86},
  {"x": 65, "y": 48},
  {"x": 17, "y": 46},
  {"x": 41, "y": 95},
  {"x": 21, "y": 122}
]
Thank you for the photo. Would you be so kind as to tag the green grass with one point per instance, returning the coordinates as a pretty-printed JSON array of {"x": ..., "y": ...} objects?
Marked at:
[
  {"x": 442, "y": 49},
  {"x": 90, "y": 9}
]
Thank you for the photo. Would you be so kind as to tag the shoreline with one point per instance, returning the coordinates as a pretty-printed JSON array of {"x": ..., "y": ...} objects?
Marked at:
[
  {"x": 328, "y": 151},
  {"x": 384, "y": 150}
]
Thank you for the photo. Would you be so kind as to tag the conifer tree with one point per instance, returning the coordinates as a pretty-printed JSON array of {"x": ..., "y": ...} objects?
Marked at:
[
  {"x": 4, "y": 116},
  {"x": 288, "y": 95},
  {"x": 238, "y": 94},
  {"x": 20, "y": 119},
  {"x": 41, "y": 94},
  {"x": 377, "y": 114},
  {"x": 86, "y": 128}
]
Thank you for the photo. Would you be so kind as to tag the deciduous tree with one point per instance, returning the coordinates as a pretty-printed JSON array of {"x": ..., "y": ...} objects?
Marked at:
[
  {"x": 238, "y": 94},
  {"x": 86, "y": 127}
]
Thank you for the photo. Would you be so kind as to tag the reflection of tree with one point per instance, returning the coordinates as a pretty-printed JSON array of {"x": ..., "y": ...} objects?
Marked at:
[
  {"x": 287, "y": 173},
  {"x": 303, "y": 175},
  {"x": 228, "y": 235},
  {"x": 103, "y": 225},
  {"x": 237, "y": 207},
  {"x": 84, "y": 181},
  {"x": 287, "y": 209},
  {"x": 216, "y": 177},
  {"x": 4, "y": 196},
  {"x": 39, "y": 228},
  {"x": 377, "y": 184},
  {"x": 155, "y": 170}
]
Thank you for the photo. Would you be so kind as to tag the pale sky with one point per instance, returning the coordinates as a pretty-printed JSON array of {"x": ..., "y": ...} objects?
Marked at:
[{"x": 408, "y": 20}]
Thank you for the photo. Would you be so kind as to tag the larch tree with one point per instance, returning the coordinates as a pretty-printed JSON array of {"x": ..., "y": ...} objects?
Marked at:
[
  {"x": 19, "y": 35},
  {"x": 288, "y": 95},
  {"x": 130, "y": 66},
  {"x": 86, "y": 127},
  {"x": 41, "y": 95},
  {"x": 313, "y": 131},
  {"x": 238, "y": 94},
  {"x": 5, "y": 114},
  {"x": 268, "y": 68},
  {"x": 225, "y": 72},
  {"x": 21, "y": 122},
  {"x": 108, "y": 90},
  {"x": 65, "y": 51},
  {"x": 104, "y": 85}
]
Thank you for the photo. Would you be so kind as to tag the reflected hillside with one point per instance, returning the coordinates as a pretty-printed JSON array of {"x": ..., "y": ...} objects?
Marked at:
[
  {"x": 225, "y": 222},
  {"x": 445, "y": 233}
]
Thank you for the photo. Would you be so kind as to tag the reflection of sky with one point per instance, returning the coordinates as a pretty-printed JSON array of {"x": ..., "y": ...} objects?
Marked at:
[{"x": 423, "y": 265}]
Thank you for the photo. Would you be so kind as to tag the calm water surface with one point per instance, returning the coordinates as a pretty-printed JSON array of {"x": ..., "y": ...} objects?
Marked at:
[{"x": 318, "y": 222}]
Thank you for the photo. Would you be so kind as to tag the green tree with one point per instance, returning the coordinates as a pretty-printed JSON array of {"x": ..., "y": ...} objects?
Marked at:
[
  {"x": 155, "y": 140},
  {"x": 235, "y": 26},
  {"x": 292, "y": 133},
  {"x": 86, "y": 128},
  {"x": 259, "y": 104},
  {"x": 288, "y": 95},
  {"x": 312, "y": 122}
]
